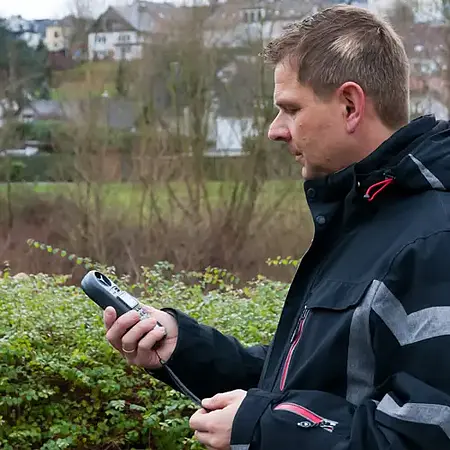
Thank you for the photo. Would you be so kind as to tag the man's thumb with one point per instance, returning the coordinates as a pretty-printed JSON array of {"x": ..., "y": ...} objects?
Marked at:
[
  {"x": 109, "y": 317},
  {"x": 219, "y": 401}
]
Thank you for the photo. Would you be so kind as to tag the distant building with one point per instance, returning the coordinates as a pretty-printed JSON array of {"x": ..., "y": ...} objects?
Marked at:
[
  {"x": 75, "y": 32},
  {"x": 41, "y": 110},
  {"x": 55, "y": 38},
  {"x": 121, "y": 31},
  {"x": 237, "y": 23},
  {"x": 40, "y": 26},
  {"x": 24, "y": 30}
]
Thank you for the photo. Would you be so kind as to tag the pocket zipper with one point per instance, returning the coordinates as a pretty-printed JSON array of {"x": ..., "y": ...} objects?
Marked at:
[
  {"x": 312, "y": 420},
  {"x": 296, "y": 336}
]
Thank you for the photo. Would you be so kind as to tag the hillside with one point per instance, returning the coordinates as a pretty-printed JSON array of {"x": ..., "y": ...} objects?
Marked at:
[{"x": 90, "y": 78}]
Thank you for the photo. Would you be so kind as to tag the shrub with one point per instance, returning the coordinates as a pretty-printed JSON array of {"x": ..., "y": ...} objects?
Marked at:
[
  {"x": 62, "y": 386},
  {"x": 41, "y": 167}
]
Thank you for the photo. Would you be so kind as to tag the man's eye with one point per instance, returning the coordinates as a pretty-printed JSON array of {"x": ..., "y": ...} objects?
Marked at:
[{"x": 291, "y": 111}]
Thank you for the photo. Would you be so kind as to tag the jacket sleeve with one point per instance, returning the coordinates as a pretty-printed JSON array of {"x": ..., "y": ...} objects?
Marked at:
[
  {"x": 410, "y": 406},
  {"x": 209, "y": 362}
]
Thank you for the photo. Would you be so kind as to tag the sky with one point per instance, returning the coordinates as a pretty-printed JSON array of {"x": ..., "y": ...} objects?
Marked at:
[
  {"x": 42, "y": 9},
  {"x": 52, "y": 9}
]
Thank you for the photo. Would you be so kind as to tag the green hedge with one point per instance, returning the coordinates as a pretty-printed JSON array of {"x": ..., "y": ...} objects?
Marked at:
[
  {"x": 63, "y": 386},
  {"x": 37, "y": 168}
]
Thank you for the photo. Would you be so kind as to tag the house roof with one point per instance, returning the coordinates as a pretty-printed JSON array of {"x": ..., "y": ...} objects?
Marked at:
[
  {"x": 115, "y": 113},
  {"x": 229, "y": 13},
  {"x": 142, "y": 15},
  {"x": 46, "y": 108},
  {"x": 41, "y": 25}
]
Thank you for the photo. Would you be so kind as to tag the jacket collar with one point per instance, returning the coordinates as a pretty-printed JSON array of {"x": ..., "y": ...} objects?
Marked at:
[{"x": 375, "y": 167}]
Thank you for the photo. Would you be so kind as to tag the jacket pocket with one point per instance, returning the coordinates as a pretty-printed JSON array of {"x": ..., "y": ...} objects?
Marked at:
[
  {"x": 307, "y": 418},
  {"x": 327, "y": 329},
  {"x": 337, "y": 295}
]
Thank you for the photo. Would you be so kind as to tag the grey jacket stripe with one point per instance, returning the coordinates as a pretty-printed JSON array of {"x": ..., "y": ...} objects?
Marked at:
[
  {"x": 361, "y": 359},
  {"x": 429, "y": 176},
  {"x": 240, "y": 447},
  {"x": 417, "y": 412},
  {"x": 408, "y": 329}
]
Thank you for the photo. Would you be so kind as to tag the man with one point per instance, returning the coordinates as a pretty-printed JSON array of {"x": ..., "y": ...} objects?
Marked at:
[{"x": 359, "y": 360}]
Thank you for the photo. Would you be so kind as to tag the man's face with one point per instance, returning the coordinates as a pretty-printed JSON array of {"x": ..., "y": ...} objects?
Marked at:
[{"x": 314, "y": 130}]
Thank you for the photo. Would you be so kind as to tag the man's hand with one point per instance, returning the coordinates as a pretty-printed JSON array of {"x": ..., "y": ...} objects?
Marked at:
[
  {"x": 135, "y": 339},
  {"x": 213, "y": 429}
]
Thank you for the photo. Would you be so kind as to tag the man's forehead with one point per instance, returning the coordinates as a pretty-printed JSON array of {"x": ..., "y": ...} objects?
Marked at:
[
  {"x": 287, "y": 93},
  {"x": 285, "y": 74}
]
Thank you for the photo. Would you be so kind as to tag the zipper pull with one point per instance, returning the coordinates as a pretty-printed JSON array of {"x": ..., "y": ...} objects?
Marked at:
[
  {"x": 308, "y": 424},
  {"x": 299, "y": 324},
  {"x": 304, "y": 313}
]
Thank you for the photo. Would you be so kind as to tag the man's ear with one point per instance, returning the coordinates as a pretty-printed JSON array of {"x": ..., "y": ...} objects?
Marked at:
[{"x": 353, "y": 99}]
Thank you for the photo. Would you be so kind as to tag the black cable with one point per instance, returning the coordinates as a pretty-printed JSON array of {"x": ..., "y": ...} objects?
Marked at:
[{"x": 181, "y": 386}]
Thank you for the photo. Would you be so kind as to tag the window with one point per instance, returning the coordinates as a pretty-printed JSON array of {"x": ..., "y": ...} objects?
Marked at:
[
  {"x": 56, "y": 35},
  {"x": 254, "y": 15},
  {"x": 100, "y": 39}
]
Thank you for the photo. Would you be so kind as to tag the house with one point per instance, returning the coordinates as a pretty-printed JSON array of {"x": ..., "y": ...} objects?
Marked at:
[
  {"x": 118, "y": 114},
  {"x": 429, "y": 95},
  {"x": 56, "y": 39},
  {"x": 427, "y": 46},
  {"x": 121, "y": 31},
  {"x": 72, "y": 37},
  {"x": 238, "y": 23},
  {"x": 24, "y": 29},
  {"x": 233, "y": 116},
  {"x": 41, "y": 110},
  {"x": 40, "y": 26}
]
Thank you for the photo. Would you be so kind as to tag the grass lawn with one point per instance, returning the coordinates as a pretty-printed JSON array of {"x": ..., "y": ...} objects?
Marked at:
[{"x": 127, "y": 197}]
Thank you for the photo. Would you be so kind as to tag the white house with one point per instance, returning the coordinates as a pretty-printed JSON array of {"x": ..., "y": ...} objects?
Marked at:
[
  {"x": 237, "y": 23},
  {"x": 120, "y": 32},
  {"x": 24, "y": 29},
  {"x": 55, "y": 38}
]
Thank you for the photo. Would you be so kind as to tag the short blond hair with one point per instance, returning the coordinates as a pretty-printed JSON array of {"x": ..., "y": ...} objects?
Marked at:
[{"x": 346, "y": 43}]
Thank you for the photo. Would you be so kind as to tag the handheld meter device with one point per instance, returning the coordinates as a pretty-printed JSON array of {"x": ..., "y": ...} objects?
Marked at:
[{"x": 101, "y": 289}]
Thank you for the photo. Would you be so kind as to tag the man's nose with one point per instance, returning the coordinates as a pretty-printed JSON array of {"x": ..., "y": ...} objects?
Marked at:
[{"x": 278, "y": 132}]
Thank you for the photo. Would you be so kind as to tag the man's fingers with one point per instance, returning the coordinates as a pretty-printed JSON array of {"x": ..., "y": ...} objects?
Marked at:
[
  {"x": 220, "y": 401},
  {"x": 150, "y": 339},
  {"x": 199, "y": 421},
  {"x": 120, "y": 328},
  {"x": 131, "y": 339}
]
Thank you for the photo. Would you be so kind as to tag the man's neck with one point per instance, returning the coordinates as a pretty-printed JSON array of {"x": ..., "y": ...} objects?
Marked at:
[{"x": 374, "y": 135}]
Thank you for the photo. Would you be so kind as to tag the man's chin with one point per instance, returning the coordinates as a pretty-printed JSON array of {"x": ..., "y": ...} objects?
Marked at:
[{"x": 308, "y": 174}]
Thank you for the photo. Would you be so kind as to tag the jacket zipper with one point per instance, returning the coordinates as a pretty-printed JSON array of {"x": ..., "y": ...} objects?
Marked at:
[
  {"x": 296, "y": 336},
  {"x": 312, "y": 419}
]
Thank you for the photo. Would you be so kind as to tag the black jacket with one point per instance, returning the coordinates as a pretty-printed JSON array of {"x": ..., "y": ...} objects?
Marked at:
[{"x": 359, "y": 360}]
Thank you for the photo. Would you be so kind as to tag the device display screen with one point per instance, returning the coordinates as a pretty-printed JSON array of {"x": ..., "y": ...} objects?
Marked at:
[{"x": 128, "y": 299}]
